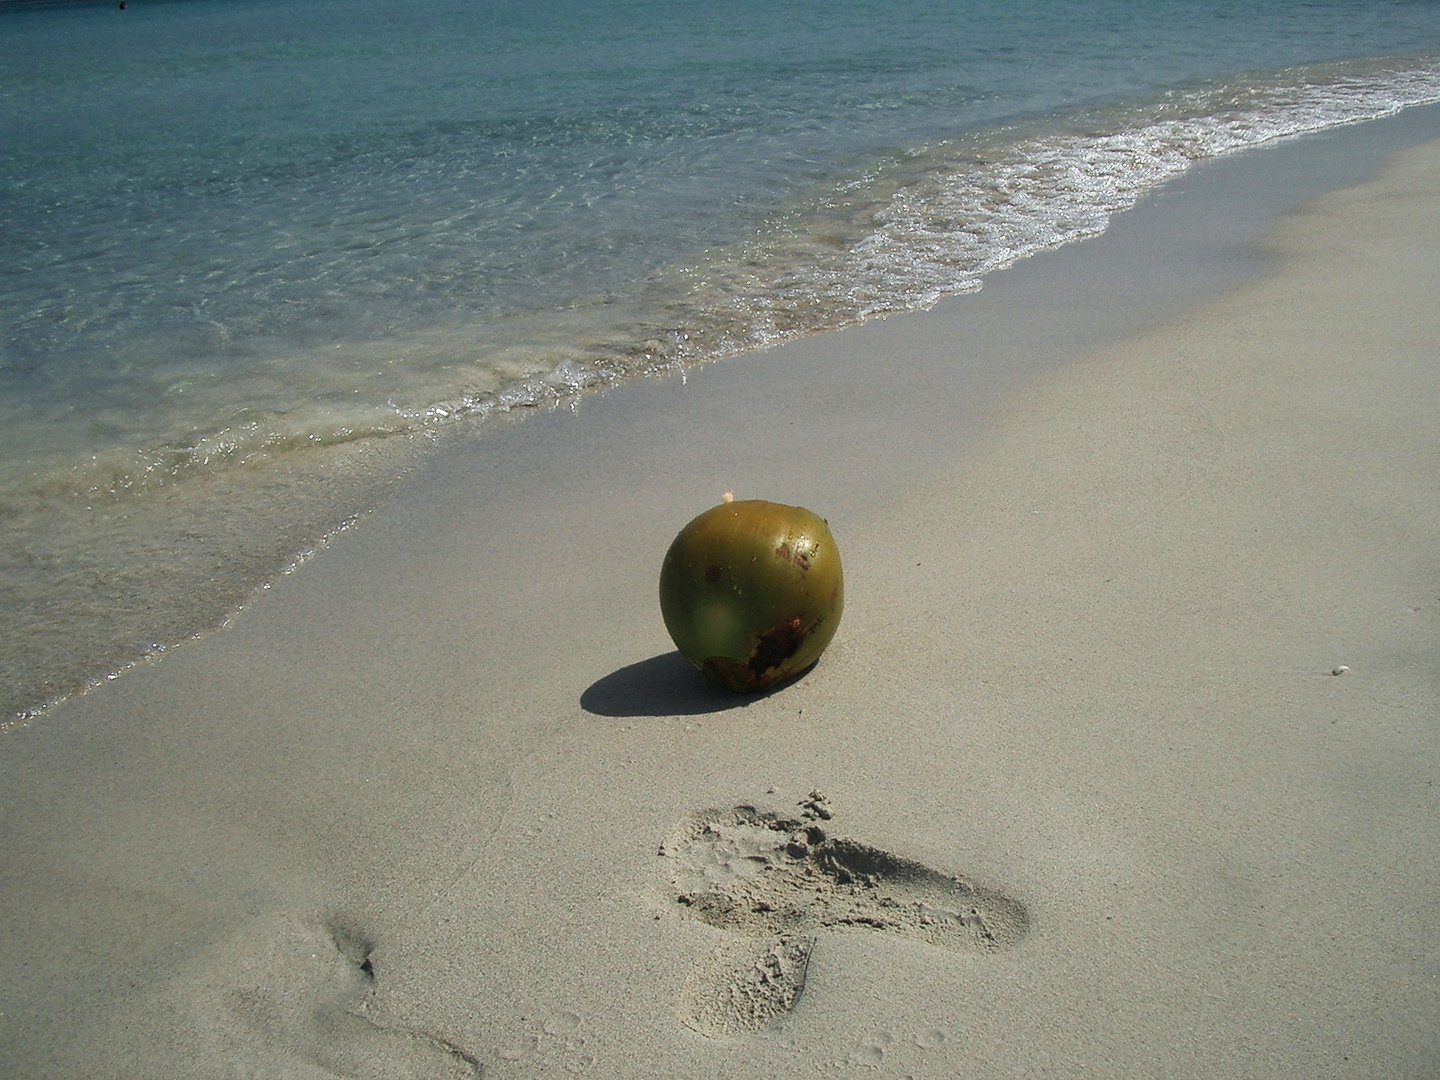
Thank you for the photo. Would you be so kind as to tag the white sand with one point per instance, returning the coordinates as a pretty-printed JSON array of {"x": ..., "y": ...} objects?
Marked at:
[{"x": 427, "y": 808}]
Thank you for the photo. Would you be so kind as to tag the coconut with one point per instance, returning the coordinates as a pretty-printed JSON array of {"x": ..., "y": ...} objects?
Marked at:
[{"x": 752, "y": 592}]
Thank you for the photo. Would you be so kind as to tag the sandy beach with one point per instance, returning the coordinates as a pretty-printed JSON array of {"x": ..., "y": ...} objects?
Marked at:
[{"x": 1123, "y": 762}]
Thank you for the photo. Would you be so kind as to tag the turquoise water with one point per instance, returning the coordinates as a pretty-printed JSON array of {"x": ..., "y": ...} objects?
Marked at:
[{"x": 256, "y": 252}]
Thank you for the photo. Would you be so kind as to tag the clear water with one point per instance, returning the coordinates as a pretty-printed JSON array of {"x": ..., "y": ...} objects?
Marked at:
[{"x": 253, "y": 252}]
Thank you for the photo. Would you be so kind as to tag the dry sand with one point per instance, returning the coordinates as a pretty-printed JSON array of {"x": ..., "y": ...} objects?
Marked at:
[{"x": 1095, "y": 803}]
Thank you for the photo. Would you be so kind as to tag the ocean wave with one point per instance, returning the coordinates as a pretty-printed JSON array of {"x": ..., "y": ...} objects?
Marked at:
[
  {"x": 920, "y": 223},
  {"x": 891, "y": 234},
  {"x": 944, "y": 233}
]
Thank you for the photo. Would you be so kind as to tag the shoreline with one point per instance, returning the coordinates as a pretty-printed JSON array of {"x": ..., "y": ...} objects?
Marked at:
[
  {"x": 1092, "y": 611},
  {"x": 167, "y": 554}
]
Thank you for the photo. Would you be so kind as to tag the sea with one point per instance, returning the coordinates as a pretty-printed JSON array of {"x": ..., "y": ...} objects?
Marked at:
[{"x": 258, "y": 258}]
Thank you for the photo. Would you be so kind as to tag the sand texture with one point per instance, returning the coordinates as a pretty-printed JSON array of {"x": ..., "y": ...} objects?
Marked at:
[{"x": 1124, "y": 762}]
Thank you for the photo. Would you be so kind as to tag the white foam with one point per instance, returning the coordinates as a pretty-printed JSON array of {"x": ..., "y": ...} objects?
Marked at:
[{"x": 936, "y": 221}]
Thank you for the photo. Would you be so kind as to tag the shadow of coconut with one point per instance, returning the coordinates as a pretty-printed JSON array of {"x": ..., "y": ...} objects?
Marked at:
[{"x": 664, "y": 685}]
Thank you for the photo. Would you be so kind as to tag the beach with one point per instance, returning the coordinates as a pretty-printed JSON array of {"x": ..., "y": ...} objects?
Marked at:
[
  {"x": 283, "y": 271},
  {"x": 1126, "y": 744}
]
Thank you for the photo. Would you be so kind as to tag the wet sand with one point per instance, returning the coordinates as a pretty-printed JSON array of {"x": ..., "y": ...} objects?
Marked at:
[{"x": 1122, "y": 763}]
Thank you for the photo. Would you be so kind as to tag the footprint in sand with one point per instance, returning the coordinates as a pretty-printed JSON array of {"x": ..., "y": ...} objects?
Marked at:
[
  {"x": 307, "y": 990},
  {"x": 781, "y": 880}
]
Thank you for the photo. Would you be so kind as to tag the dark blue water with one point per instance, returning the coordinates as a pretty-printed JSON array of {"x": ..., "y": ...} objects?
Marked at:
[{"x": 242, "y": 240}]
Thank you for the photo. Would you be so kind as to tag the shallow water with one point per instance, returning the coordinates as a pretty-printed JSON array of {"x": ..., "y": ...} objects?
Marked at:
[{"x": 256, "y": 254}]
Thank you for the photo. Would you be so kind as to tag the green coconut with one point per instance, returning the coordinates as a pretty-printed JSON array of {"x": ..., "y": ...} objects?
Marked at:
[{"x": 752, "y": 592}]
